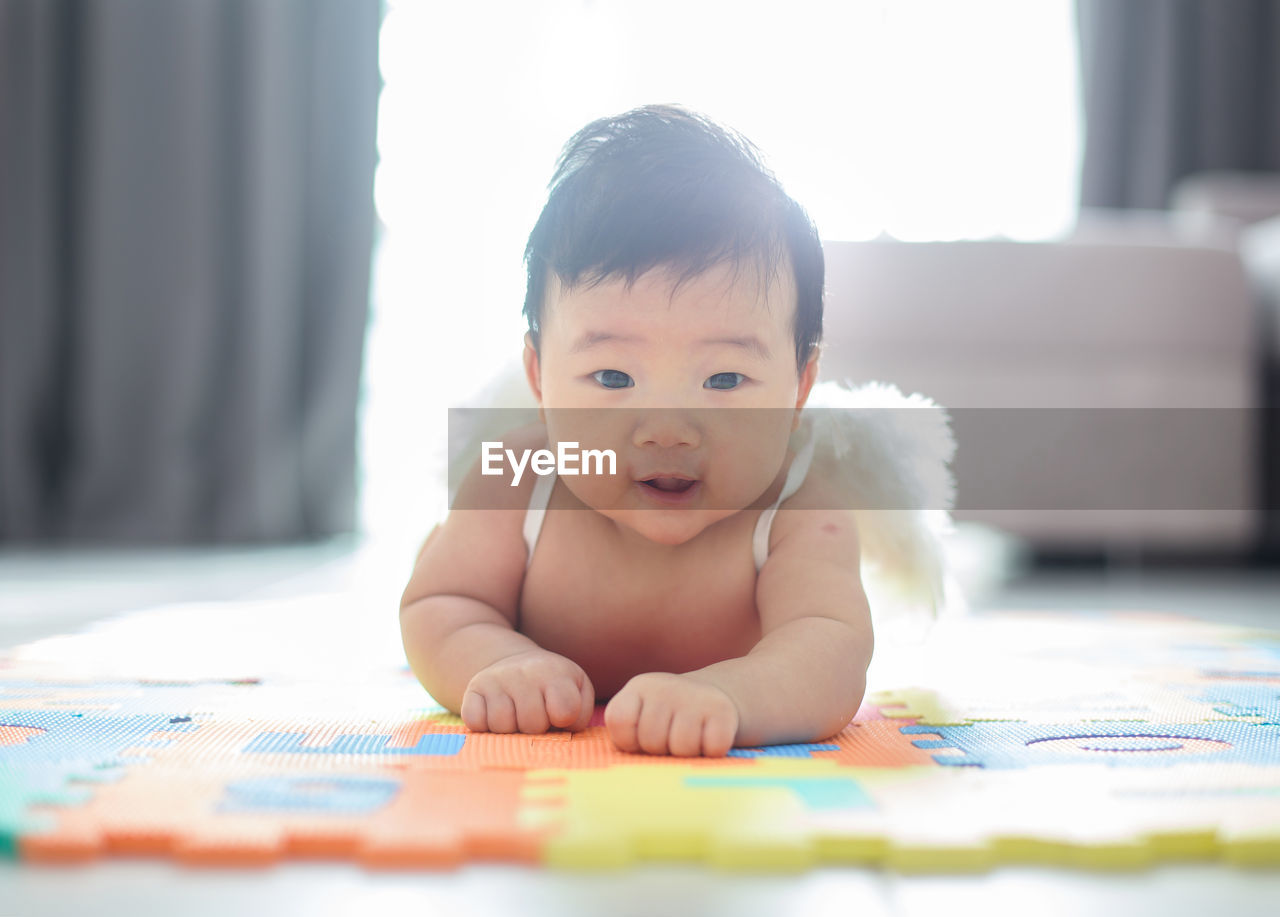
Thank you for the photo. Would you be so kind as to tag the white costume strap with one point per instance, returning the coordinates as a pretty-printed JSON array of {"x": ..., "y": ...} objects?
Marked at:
[
  {"x": 538, "y": 501},
  {"x": 795, "y": 477}
]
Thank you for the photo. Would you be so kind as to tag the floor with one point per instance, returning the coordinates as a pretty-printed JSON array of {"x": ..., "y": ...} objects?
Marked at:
[{"x": 42, "y": 595}]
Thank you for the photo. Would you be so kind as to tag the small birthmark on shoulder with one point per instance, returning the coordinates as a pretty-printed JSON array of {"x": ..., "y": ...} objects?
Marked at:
[{"x": 830, "y": 528}]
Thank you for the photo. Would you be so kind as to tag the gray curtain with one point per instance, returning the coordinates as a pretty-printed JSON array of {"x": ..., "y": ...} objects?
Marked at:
[
  {"x": 1173, "y": 87},
  {"x": 186, "y": 220}
]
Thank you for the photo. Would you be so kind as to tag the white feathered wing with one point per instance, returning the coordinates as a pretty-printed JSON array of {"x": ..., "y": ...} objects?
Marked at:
[{"x": 890, "y": 453}]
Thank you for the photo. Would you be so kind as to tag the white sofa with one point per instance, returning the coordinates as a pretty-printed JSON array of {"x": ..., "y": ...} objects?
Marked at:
[
  {"x": 1249, "y": 204},
  {"x": 1143, "y": 311}
]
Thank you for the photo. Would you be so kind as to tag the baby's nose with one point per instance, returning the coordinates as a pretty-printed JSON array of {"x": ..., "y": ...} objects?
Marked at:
[{"x": 666, "y": 429}]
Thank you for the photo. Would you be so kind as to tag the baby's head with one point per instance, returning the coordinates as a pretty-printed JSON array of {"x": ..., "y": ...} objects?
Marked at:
[
  {"x": 663, "y": 187},
  {"x": 670, "y": 271}
]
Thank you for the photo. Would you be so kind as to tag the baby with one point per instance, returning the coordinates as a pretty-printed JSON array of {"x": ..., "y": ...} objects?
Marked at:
[{"x": 709, "y": 589}]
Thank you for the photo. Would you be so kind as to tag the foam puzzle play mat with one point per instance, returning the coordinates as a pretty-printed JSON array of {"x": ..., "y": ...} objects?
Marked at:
[{"x": 1089, "y": 740}]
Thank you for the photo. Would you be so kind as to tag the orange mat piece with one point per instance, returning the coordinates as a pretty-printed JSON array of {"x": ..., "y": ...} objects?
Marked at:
[{"x": 1094, "y": 740}]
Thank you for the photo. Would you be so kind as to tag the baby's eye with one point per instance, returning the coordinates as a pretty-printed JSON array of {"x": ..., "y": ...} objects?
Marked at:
[
  {"x": 724, "y": 381},
  {"x": 613, "y": 378}
]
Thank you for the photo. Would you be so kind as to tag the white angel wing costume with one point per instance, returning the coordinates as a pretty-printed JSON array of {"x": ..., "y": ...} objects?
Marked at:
[{"x": 890, "y": 451}]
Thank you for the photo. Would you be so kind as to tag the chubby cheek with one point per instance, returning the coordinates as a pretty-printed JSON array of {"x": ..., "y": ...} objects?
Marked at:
[
  {"x": 591, "y": 428},
  {"x": 749, "y": 470},
  {"x": 603, "y": 493},
  {"x": 592, "y": 484}
]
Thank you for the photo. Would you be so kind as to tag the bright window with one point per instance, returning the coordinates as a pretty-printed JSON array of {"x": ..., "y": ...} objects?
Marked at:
[{"x": 919, "y": 119}]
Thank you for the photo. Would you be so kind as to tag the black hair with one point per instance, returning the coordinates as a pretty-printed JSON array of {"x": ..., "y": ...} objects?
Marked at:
[{"x": 664, "y": 186}]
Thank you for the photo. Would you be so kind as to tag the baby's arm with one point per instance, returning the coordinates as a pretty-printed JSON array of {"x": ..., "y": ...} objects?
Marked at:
[
  {"x": 805, "y": 679},
  {"x": 457, "y": 620}
]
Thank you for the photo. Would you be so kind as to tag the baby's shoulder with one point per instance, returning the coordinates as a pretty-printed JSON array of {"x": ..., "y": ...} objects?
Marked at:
[
  {"x": 822, "y": 505},
  {"x": 825, "y": 491},
  {"x": 826, "y": 483},
  {"x": 501, "y": 491},
  {"x": 478, "y": 550}
]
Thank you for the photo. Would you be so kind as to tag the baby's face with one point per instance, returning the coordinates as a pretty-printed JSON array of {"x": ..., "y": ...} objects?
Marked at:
[{"x": 695, "y": 393}]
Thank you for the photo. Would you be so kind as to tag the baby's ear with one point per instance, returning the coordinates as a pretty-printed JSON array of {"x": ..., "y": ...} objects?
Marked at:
[
  {"x": 807, "y": 377},
  {"x": 533, "y": 371}
]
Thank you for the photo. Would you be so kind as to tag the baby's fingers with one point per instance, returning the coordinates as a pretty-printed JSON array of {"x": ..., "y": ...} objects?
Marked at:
[
  {"x": 586, "y": 706},
  {"x": 717, "y": 736},
  {"x": 687, "y": 731},
  {"x": 474, "y": 712},
  {"x": 489, "y": 712},
  {"x": 563, "y": 701},
  {"x": 622, "y": 719},
  {"x": 569, "y": 707}
]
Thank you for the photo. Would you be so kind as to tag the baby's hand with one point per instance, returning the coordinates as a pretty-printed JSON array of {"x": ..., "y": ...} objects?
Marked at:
[
  {"x": 661, "y": 713},
  {"x": 529, "y": 692}
]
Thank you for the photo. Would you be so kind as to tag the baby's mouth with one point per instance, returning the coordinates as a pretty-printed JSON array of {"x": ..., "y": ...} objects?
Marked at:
[{"x": 670, "y": 484}]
